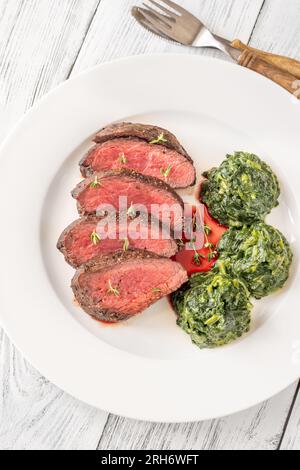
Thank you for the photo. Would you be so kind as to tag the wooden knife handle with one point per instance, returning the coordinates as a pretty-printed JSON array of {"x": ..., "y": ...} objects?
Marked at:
[
  {"x": 287, "y": 64},
  {"x": 288, "y": 81}
]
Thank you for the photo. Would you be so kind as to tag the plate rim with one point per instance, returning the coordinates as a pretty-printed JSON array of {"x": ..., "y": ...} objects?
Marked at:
[{"x": 10, "y": 137}]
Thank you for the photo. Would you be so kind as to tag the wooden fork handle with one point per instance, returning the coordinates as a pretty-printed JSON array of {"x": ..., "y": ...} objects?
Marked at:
[
  {"x": 286, "y": 64},
  {"x": 253, "y": 62}
]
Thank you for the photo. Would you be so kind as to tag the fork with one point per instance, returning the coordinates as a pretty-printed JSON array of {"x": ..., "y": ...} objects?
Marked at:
[{"x": 171, "y": 21}]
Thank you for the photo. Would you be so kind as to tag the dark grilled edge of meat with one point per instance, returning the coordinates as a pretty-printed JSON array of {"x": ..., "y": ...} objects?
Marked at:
[{"x": 144, "y": 132}]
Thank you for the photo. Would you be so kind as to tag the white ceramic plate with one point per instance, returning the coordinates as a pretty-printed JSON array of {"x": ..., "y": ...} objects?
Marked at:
[{"x": 146, "y": 368}]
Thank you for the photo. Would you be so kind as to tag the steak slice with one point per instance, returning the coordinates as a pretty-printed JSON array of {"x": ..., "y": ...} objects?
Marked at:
[
  {"x": 106, "y": 188},
  {"x": 144, "y": 132},
  {"x": 117, "y": 286},
  {"x": 135, "y": 154},
  {"x": 85, "y": 239}
]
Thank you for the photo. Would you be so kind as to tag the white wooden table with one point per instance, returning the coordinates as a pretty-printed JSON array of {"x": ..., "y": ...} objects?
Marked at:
[{"x": 42, "y": 43}]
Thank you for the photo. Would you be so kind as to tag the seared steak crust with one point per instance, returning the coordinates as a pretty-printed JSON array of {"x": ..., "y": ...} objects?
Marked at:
[
  {"x": 148, "y": 183},
  {"x": 95, "y": 284},
  {"x": 77, "y": 247},
  {"x": 138, "y": 155},
  {"x": 141, "y": 131}
]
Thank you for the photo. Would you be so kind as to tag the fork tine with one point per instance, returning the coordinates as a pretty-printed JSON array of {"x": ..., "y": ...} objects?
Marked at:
[
  {"x": 157, "y": 24},
  {"x": 164, "y": 9},
  {"x": 168, "y": 21},
  {"x": 175, "y": 6},
  {"x": 142, "y": 21},
  {"x": 155, "y": 21}
]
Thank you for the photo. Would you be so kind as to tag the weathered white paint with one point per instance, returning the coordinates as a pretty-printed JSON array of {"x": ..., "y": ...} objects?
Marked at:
[
  {"x": 39, "y": 44},
  {"x": 36, "y": 415},
  {"x": 278, "y": 28},
  {"x": 114, "y": 33},
  {"x": 291, "y": 438},
  {"x": 257, "y": 428}
]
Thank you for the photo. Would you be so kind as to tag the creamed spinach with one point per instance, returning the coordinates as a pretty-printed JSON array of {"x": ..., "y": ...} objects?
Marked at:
[
  {"x": 213, "y": 308},
  {"x": 259, "y": 255},
  {"x": 241, "y": 190}
]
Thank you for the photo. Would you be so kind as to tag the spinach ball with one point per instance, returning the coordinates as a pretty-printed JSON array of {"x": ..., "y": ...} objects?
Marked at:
[
  {"x": 259, "y": 255},
  {"x": 213, "y": 308},
  {"x": 243, "y": 189}
]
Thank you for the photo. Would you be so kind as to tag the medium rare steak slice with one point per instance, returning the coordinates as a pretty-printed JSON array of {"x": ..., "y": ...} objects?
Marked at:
[
  {"x": 105, "y": 189},
  {"x": 118, "y": 286},
  {"x": 144, "y": 132},
  {"x": 91, "y": 236},
  {"x": 135, "y": 154}
]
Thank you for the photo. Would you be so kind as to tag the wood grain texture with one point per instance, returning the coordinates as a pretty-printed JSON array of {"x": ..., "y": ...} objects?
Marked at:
[
  {"x": 291, "y": 438},
  {"x": 36, "y": 415},
  {"x": 284, "y": 63},
  {"x": 253, "y": 62},
  {"x": 114, "y": 33},
  {"x": 277, "y": 29},
  {"x": 39, "y": 42},
  {"x": 257, "y": 428}
]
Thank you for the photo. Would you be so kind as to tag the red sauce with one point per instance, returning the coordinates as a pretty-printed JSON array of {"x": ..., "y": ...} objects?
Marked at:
[{"x": 186, "y": 257}]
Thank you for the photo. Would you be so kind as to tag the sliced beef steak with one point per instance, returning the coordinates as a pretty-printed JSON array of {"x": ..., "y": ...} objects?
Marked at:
[
  {"x": 135, "y": 154},
  {"x": 149, "y": 193},
  {"x": 91, "y": 236},
  {"x": 144, "y": 132},
  {"x": 118, "y": 286}
]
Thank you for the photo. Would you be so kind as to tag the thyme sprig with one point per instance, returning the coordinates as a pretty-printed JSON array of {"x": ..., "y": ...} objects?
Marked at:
[
  {"x": 95, "y": 183},
  {"x": 122, "y": 159},
  {"x": 166, "y": 171},
  {"x": 95, "y": 238},
  {"x": 113, "y": 290},
  {"x": 126, "y": 244},
  {"x": 160, "y": 139},
  {"x": 156, "y": 290}
]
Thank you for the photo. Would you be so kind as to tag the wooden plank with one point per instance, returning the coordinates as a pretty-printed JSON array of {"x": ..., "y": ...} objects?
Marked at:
[
  {"x": 36, "y": 415},
  {"x": 291, "y": 438},
  {"x": 258, "y": 428},
  {"x": 277, "y": 29},
  {"x": 114, "y": 33},
  {"x": 39, "y": 42}
]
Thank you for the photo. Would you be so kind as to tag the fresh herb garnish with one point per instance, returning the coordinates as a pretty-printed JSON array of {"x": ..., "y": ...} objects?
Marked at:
[
  {"x": 112, "y": 290},
  {"x": 207, "y": 229},
  {"x": 126, "y": 245},
  {"x": 123, "y": 159},
  {"x": 166, "y": 171},
  {"x": 156, "y": 290},
  {"x": 197, "y": 258},
  {"x": 95, "y": 238},
  {"x": 212, "y": 255},
  {"x": 95, "y": 183},
  {"x": 159, "y": 139},
  {"x": 209, "y": 245}
]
